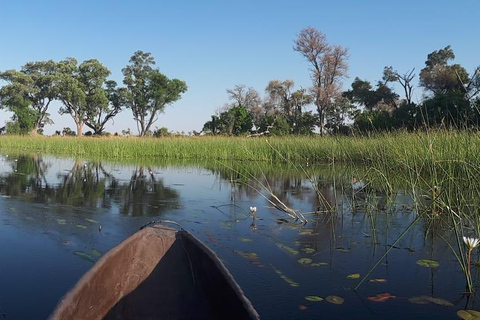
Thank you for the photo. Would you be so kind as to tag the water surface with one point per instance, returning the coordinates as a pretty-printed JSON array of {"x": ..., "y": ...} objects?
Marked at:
[{"x": 57, "y": 216}]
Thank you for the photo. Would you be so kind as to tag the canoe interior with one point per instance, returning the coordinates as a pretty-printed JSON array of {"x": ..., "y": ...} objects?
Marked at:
[{"x": 158, "y": 273}]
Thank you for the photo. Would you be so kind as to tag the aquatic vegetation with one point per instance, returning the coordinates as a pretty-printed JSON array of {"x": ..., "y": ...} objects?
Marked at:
[
  {"x": 314, "y": 298},
  {"x": 382, "y": 297},
  {"x": 335, "y": 299},
  {"x": 428, "y": 263}
]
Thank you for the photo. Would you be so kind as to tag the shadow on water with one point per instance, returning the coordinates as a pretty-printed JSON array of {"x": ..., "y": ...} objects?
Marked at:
[{"x": 60, "y": 215}]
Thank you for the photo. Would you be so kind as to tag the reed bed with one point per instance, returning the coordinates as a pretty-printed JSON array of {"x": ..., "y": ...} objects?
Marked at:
[{"x": 395, "y": 150}]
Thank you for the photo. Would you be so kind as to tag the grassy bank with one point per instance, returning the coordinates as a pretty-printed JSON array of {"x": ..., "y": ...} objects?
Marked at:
[{"x": 392, "y": 149}]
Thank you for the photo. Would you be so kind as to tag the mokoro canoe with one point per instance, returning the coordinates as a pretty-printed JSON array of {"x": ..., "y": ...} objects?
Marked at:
[{"x": 157, "y": 273}]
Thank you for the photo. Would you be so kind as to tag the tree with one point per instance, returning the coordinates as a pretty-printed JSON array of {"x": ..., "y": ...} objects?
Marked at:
[
  {"x": 405, "y": 80},
  {"x": 362, "y": 93},
  {"x": 92, "y": 76},
  {"x": 70, "y": 92},
  {"x": 29, "y": 93},
  {"x": 329, "y": 66},
  {"x": 289, "y": 103},
  {"x": 439, "y": 77},
  {"x": 148, "y": 91}
]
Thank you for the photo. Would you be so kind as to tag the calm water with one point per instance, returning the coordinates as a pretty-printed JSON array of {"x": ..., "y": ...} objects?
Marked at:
[{"x": 51, "y": 211}]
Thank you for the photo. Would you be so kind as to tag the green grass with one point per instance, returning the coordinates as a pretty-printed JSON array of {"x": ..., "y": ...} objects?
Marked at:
[{"x": 394, "y": 150}]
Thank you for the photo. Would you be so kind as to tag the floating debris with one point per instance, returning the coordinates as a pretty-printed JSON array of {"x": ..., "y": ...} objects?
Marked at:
[{"x": 353, "y": 276}]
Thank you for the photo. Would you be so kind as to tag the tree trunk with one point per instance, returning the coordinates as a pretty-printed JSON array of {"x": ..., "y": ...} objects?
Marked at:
[{"x": 79, "y": 128}]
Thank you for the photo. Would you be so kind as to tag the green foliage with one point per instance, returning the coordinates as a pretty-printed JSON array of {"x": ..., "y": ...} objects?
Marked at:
[
  {"x": 28, "y": 94},
  {"x": 441, "y": 78},
  {"x": 373, "y": 121},
  {"x": 148, "y": 91}
]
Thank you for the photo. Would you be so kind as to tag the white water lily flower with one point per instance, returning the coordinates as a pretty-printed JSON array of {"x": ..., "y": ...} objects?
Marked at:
[
  {"x": 471, "y": 243},
  {"x": 253, "y": 209}
]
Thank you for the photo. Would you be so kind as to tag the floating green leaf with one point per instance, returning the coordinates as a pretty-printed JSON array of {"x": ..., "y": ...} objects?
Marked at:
[
  {"x": 95, "y": 253},
  {"x": 91, "y": 220},
  {"x": 468, "y": 314},
  {"x": 318, "y": 264},
  {"x": 245, "y": 239},
  {"x": 428, "y": 299},
  {"x": 84, "y": 256},
  {"x": 305, "y": 261},
  {"x": 306, "y": 232},
  {"x": 342, "y": 249},
  {"x": 81, "y": 226},
  {"x": 314, "y": 298},
  {"x": 308, "y": 250},
  {"x": 428, "y": 263},
  {"x": 246, "y": 254},
  {"x": 353, "y": 276},
  {"x": 61, "y": 221},
  {"x": 287, "y": 249},
  {"x": 335, "y": 299}
]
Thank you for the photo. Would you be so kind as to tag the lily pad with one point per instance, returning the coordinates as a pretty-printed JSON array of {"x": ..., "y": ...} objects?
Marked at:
[
  {"x": 81, "y": 226},
  {"x": 382, "y": 297},
  {"x": 62, "y": 221},
  {"x": 335, "y": 299},
  {"x": 468, "y": 314},
  {"x": 314, "y": 298},
  {"x": 286, "y": 248},
  {"x": 308, "y": 250},
  {"x": 428, "y": 263},
  {"x": 245, "y": 239},
  {"x": 353, "y": 276},
  {"x": 91, "y": 220},
  {"x": 305, "y": 261},
  {"x": 378, "y": 280}
]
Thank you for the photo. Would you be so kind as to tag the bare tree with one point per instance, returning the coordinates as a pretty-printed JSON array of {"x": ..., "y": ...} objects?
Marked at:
[
  {"x": 245, "y": 97},
  {"x": 329, "y": 66},
  {"x": 405, "y": 80}
]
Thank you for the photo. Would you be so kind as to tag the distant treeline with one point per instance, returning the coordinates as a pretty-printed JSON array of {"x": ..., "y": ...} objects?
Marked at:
[
  {"x": 451, "y": 96},
  {"x": 86, "y": 94}
]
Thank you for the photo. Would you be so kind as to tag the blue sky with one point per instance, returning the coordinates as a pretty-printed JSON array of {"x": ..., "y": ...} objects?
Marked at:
[{"x": 214, "y": 45}]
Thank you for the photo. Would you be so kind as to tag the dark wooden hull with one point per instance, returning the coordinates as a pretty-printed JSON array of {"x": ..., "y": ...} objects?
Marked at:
[{"x": 157, "y": 273}]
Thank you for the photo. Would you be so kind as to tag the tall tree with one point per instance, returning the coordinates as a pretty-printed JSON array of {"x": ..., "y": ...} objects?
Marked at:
[
  {"x": 439, "y": 77},
  {"x": 148, "y": 91},
  {"x": 28, "y": 93},
  {"x": 93, "y": 77},
  {"x": 70, "y": 92},
  {"x": 329, "y": 67}
]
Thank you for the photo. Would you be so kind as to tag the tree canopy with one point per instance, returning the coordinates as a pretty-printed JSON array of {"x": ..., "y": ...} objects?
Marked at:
[{"x": 148, "y": 91}]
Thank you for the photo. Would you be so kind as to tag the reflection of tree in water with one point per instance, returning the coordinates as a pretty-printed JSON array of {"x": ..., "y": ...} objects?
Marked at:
[
  {"x": 27, "y": 179},
  {"x": 88, "y": 184},
  {"x": 145, "y": 195},
  {"x": 83, "y": 185}
]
